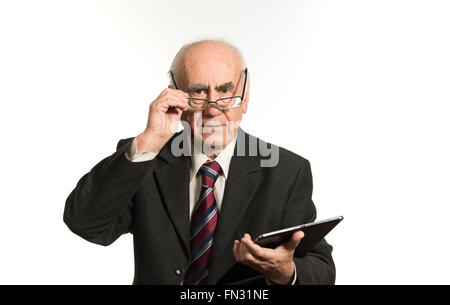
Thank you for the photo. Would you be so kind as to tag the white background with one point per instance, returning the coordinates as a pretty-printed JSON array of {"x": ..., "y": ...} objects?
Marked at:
[{"x": 360, "y": 88}]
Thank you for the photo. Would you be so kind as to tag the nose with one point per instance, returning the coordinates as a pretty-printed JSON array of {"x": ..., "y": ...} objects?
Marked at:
[
  {"x": 212, "y": 110},
  {"x": 212, "y": 95}
]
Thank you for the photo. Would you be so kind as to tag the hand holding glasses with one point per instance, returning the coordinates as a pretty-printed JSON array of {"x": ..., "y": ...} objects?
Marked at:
[{"x": 222, "y": 103}]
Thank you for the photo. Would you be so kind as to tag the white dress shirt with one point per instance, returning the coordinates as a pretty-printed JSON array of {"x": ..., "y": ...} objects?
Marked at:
[{"x": 195, "y": 182}]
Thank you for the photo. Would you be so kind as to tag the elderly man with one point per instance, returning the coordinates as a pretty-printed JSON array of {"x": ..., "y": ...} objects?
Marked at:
[{"x": 193, "y": 200}]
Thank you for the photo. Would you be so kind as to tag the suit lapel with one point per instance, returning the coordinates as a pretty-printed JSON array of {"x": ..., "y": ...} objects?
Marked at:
[
  {"x": 240, "y": 186},
  {"x": 173, "y": 183}
]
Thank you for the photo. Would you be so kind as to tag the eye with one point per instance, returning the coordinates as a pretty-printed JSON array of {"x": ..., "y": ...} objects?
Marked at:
[{"x": 199, "y": 91}]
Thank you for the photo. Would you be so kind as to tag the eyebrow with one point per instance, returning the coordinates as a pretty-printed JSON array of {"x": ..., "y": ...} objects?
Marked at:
[
  {"x": 225, "y": 87},
  {"x": 222, "y": 87},
  {"x": 196, "y": 87}
]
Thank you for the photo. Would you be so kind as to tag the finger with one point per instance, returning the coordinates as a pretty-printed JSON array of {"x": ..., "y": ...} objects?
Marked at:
[
  {"x": 173, "y": 93},
  {"x": 247, "y": 236},
  {"x": 245, "y": 256},
  {"x": 180, "y": 103},
  {"x": 293, "y": 242},
  {"x": 176, "y": 92},
  {"x": 180, "y": 93},
  {"x": 256, "y": 250},
  {"x": 236, "y": 249},
  {"x": 183, "y": 93},
  {"x": 243, "y": 251}
]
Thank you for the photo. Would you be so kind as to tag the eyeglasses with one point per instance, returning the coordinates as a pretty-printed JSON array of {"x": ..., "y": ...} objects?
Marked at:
[{"x": 222, "y": 103}]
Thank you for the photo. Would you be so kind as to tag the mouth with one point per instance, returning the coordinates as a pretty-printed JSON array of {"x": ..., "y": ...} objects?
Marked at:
[{"x": 211, "y": 125}]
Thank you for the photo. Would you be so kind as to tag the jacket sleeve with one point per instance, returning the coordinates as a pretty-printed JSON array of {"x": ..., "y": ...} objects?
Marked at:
[
  {"x": 99, "y": 208},
  {"x": 317, "y": 266}
]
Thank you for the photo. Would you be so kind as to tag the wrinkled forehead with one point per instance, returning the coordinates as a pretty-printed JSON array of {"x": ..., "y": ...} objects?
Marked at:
[
  {"x": 211, "y": 66},
  {"x": 211, "y": 74}
]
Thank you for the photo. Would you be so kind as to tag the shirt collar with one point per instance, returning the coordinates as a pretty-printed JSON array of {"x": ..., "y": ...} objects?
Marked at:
[{"x": 224, "y": 160}]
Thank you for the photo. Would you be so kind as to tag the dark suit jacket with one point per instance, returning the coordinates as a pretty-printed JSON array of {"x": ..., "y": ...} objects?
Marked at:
[{"x": 151, "y": 200}]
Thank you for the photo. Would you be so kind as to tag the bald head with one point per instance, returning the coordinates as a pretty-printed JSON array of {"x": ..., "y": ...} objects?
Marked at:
[{"x": 206, "y": 53}]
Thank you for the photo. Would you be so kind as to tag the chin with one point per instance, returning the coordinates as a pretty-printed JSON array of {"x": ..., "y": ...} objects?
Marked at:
[
  {"x": 213, "y": 142},
  {"x": 212, "y": 145}
]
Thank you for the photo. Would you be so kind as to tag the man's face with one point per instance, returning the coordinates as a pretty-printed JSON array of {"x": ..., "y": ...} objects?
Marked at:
[{"x": 211, "y": 72}]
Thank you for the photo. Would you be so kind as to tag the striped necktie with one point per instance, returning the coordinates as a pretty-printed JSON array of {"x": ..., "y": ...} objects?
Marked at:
[{"x": 203, "y": 225}]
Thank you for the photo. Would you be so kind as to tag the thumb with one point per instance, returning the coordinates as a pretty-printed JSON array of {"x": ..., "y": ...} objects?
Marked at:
[{"x": 293, "y": 242}]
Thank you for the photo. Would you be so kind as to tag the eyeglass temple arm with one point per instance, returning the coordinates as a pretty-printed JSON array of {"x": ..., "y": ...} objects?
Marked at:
[
  {"x": 245, "y": 83},
  {"x": 173, "y": 80}
]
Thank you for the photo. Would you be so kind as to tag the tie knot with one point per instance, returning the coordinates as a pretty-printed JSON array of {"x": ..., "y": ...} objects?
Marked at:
[{"x": 210, "y": 171}]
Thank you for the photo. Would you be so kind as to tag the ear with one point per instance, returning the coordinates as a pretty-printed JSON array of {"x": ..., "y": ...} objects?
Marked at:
[{"x": 246, "y": 97}]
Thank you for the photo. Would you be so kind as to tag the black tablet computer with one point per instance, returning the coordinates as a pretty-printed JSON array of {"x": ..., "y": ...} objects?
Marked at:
[
  {"x": 314, "y": 232},
  {"x": 240, "y": 274}
]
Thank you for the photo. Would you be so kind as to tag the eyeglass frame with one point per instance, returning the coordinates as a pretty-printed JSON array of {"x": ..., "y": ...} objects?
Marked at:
[{"x": 214, "y": 102}]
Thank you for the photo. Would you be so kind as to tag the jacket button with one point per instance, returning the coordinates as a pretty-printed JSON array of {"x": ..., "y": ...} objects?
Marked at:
[{"x": 179, "y": 271}]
